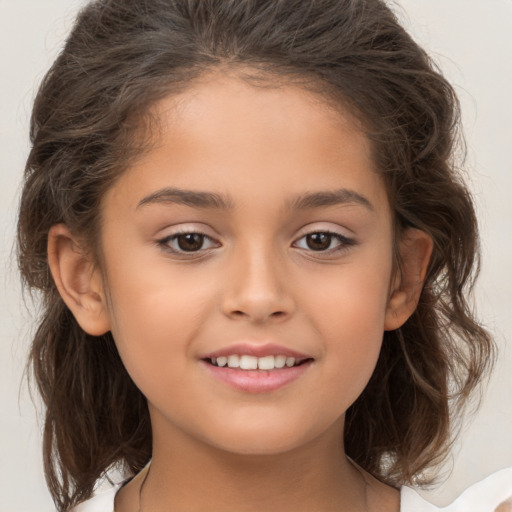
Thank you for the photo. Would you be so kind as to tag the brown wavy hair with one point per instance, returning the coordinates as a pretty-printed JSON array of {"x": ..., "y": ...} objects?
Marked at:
[{"x": 124, "y": 55}]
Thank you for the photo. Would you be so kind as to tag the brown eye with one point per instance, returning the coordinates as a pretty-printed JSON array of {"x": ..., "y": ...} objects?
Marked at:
[
  {"x": 187, "y": 242},
  {"x": 319, "y": 241},
  {"x": 190, "y": 241},
  {"x": 324, "y": 242}
]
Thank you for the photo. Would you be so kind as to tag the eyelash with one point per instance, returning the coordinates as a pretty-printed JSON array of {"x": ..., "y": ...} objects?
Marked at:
[{"x": 344, "y": 242}]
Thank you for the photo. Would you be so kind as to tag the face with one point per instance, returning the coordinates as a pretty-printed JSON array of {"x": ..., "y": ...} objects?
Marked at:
[{"x": 255, "y": 232}]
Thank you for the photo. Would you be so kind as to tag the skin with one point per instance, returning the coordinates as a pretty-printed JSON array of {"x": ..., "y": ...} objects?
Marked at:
[
  {"x": 506, "y": 506},
  {"x": 255, "y": 278}
]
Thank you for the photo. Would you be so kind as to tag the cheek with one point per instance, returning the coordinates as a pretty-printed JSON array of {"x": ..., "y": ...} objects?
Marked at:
[
  {"x": 155, "y": 314},
  {"x": 350, "y": 315},
  {"x": 351, "y": 298}
]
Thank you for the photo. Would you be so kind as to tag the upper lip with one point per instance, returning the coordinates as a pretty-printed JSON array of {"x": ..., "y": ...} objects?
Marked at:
[{"x": 256, "y": 350}]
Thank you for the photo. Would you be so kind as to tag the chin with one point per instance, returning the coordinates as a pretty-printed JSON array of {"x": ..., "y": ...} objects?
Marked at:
[
  {"x": 262, "y": 440},
  {"x": 260, "y": 447}
]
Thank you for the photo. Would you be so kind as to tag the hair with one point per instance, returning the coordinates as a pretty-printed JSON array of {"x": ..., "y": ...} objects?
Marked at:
[{"x": 124, "y": 55}]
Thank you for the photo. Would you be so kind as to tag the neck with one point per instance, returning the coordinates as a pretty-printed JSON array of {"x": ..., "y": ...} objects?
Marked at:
[{"x": 190, "y": 476}]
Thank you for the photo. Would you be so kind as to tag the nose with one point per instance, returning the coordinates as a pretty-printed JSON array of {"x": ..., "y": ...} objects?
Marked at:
[{"x": 257, "y": 287}]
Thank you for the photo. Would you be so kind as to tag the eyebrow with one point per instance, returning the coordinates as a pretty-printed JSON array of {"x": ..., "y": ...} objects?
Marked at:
[
  {"x": 211, "y": 200},
  {"x": 328, "y": 198},
  {"x": 194, "y": 198}
]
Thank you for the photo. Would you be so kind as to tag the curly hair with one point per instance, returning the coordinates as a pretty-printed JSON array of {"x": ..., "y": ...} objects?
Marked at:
[{"x": 124, "y": 55}]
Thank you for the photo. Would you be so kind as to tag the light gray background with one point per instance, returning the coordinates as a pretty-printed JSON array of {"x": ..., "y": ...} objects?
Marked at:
[{"x": 472, "y": 42}]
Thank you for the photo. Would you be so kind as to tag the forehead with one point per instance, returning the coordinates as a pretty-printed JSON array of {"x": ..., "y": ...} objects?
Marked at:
[
  {"x": 224, "y": 133},
  {"x": 269, "y": 106}
]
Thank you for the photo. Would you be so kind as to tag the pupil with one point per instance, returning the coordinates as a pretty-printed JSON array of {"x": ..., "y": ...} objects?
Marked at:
[
  {"x": 190, "y": 241},
  {"x": 319, "y": 241}
]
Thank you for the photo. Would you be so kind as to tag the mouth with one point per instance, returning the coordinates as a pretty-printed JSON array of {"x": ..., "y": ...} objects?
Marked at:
[
  {"x": 250, "y": 362},
  {"x": 257, "y": 368}
]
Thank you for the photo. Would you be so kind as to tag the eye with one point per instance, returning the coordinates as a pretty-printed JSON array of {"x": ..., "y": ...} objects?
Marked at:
[
  {"x": 324, "y": 241},
  {"x": 187, "y": 242}
]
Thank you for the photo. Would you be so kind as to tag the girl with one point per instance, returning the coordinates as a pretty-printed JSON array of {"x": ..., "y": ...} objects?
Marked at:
[{"x": 254, "y": 252}]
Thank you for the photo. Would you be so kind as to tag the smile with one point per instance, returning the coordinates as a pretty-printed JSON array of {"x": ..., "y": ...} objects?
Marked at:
[
  {"x": 251, "y": 374},
  {"x": 248, "y": 362}
]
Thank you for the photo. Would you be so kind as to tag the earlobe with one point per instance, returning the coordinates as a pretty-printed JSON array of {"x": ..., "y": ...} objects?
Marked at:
[
  {"x": 78, "y": 281},
  {"x": 415, "y": 252}
]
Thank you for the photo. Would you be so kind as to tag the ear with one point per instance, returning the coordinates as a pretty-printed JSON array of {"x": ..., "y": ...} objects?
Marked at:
[
  {"x": 78, "y": 281},
  {"x": 415, "y": 252}
]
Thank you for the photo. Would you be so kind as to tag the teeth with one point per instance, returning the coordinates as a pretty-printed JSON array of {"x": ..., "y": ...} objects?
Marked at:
[
  {"x": 233, "y": 361},
  {"x": 246, "y": 362},
  {"x": 266, "y": 363},
  {"x": 280, "y": 361}
]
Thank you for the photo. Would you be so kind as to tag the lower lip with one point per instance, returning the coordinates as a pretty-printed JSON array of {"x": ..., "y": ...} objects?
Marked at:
[{"x": 257, "y": 381}]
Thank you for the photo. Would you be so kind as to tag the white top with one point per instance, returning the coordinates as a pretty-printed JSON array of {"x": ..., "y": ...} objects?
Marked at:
[{"x": 485, "y": 496}]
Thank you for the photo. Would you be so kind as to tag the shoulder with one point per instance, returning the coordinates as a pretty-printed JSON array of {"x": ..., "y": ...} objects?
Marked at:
[
  {"x": 100, "y": 502},
  {"x": 103, "y": 500},
  {"x": 494, "y": 494}
]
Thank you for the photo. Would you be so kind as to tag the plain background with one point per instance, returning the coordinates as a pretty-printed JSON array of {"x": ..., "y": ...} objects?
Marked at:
[{"x": 472, "y": 42}]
